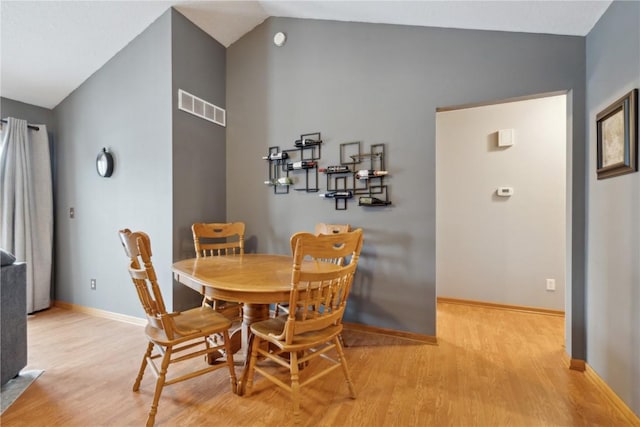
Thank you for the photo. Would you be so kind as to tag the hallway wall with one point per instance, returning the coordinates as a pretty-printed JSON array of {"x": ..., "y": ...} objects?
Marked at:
[{"x": 489, "y": 247}]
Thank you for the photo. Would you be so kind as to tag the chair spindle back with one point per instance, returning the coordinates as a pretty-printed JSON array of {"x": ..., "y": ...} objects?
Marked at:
[
  {"x": 318, "y": 299},
  {"x": 212, "y": 239},
  {"x": 137, "y": 246}
]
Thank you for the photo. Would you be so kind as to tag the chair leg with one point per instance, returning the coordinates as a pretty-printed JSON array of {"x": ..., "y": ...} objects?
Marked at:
[
  {"x": 252, "y": 365},
  {"x": 295, "y": 386},
  {"x": 342, "y": 341},
  {"x": 232, "y": 371},
  {"x": 166, "y": 359},
  {"x": 143, "y": 366},
  {"x": 345, "y": 368}
]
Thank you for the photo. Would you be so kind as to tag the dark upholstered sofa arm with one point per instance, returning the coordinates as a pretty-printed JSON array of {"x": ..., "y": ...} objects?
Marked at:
[{"x": 13, "y": 312}]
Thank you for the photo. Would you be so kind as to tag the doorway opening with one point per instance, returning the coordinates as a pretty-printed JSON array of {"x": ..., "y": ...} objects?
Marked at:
[{"x": 503, "y": 211}]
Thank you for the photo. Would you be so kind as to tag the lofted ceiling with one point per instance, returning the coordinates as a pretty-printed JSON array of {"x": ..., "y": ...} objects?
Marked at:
[{"x": 48, "y": 48}]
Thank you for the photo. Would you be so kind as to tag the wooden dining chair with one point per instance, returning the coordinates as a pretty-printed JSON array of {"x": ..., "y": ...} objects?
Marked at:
[
  {"x": 219, "y": 239},
  {"x": 317, "y": 303},
  {"x": 321, "y": 228},
  {"x": 175, "y": 337}
]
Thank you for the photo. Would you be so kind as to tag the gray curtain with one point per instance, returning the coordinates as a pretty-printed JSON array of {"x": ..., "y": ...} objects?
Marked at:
[{"x": 26, "y": 210}]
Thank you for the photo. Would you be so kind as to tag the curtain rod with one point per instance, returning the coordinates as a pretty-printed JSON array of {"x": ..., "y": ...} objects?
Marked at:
[{"x": 28, "y": 125}]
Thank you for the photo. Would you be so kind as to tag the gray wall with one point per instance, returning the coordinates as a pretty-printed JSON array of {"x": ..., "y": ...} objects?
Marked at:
[
  {"x": 382, "y": 84},
  {"x": 126, "y": 107},
  {"x": 199, "y": 160},
  {"x": 613, "y": 291},
  {"x": 170, "y": 166}
]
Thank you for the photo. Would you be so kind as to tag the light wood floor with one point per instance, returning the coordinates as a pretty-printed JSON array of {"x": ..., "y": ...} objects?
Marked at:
[{"x": 490, "y": 368}]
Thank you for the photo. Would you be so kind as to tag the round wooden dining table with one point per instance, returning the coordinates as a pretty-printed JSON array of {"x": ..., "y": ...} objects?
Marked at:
[
  {"x": 247, "y": 278},
  {"x": 256, "y": 280}
]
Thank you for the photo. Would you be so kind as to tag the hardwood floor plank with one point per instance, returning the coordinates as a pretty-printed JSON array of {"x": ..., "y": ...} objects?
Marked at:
[{"x": 490, "y": 368}]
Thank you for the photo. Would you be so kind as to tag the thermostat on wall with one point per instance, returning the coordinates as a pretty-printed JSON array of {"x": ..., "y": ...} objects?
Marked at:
[{"x": 504, "y": 191}]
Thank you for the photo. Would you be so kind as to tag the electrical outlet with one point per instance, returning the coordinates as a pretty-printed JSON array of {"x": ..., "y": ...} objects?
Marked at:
[
  {"x": 72, "y": 213},
  {"x": 551, "y": 284},
  {"x": 93, "y": 284}
]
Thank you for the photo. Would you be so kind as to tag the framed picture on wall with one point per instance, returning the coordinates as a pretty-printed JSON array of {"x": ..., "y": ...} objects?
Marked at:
[{"x": 617, "y": 137}]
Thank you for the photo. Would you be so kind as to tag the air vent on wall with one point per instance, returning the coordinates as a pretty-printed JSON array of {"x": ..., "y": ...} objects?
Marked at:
[{"x": 201, "y": 108}]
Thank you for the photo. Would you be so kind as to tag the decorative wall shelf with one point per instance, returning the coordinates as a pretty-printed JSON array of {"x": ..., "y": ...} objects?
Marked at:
[
  {"x": 303, "y": 159},
  {"x": 278, "y": 173},
  {"x": 358, "y": 174}
]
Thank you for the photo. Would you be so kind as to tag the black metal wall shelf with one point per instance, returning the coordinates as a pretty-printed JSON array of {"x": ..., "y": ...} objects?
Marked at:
[
  {"x": 358, "y": 174},
  {"x": 278, "y": 174},
  {"x": 346, "y": 178},
  {"x": 303, "y": 158}
]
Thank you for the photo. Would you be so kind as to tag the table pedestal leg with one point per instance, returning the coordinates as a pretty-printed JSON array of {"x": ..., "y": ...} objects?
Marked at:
[{"x": 251, "y": 313}]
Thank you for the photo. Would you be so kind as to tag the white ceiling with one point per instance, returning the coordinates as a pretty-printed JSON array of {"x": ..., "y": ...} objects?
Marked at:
[{"x": 48, "y": 48}]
